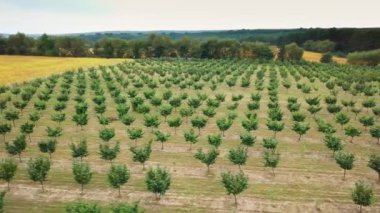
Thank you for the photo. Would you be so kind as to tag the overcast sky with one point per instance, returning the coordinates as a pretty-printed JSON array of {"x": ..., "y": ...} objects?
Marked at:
[{"x": 69, "y": 16}]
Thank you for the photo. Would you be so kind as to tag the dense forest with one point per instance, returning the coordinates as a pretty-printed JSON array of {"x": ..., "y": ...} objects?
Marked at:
[{"x": 197, "y": 44}]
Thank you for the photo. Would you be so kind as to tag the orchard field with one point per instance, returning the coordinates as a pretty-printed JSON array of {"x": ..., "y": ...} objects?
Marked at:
[{"x": 280, "y": 126}]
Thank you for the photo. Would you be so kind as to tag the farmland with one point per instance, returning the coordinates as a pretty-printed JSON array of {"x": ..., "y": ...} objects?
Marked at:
[
  {"x": 227, "y": 99},
  {"x": 23, "y": 68}
]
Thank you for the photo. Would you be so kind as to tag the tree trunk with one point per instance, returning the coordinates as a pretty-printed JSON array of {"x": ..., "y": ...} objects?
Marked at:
[
  {"x": 8, "y": 186},
  {"x": 30, "y": 139},
  {"x": 42, "y": 186},
  {"x": 175, "y": 130},
  {"x": 14, "y": 124},
  {"x": 274, "y": 135},
  {"x": 190, "y": 146},
  {"x": 119, "y": 192},
  {"x": 360, "y": 208},
  {"x": 143, "y": 166},
  {"x": 344, "y": 174},
  {"x": 239, "y": 167},
  {"x": 50, "y": 155},
  {"x": 135, "y": 142},
  {"x": 273, "y": 171},
  {"x": 4, "y": 138},
  {"x": 299, "y": 138},
  {"x": 162, "y": 145},
  {"x": 235, "y": 200},
  {"x": 81, "y": 189},
  {"x": 352, "y": 139},
  {"x": 19, "y": 157}
]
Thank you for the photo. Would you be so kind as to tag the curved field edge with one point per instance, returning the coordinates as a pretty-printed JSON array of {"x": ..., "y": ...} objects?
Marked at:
[{"x": 16, "y": 69}]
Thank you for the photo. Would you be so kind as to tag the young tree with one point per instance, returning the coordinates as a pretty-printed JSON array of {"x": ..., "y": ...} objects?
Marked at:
[
  {"x": 374, "y": 163},
  {"x": 48, "y": 146},
  {"x": 135, "y": 133},
  {"x": 80, "y": 119},
  {"x": 362, "y": 194},
  {"x": 82, "y": 173},
  {"x": 194, "y": 103},
  {"x": 208, "y": 158},
  {"x": 34, "y": 117},
  {"x": 58, "y": 117},
  {"x": 199, "y": 123},
  {"x": 270, "y": 143},
  {"x": 247, "y": 139},
  {"x": 17, "y": 147},
  {"x": 142, "y": 154},
  {"x": 38, "y": 169},
  {"x": 367, "y": 121},
  {"x": 4, "y": 129},
  {"x": 127, "y": 208},
  {"x": 117, "y": 176},
  {"x": 175, "y": 123},
  {"x": 345, "y": 160},
  {"x": 109, "y": 153},
  {"x": 333, "y": 143},
  {"x": 12, "y": 116},
  {"x": 238, "y": 156},
  {"x": 151, "y": 121},
  {"x": 8, "y": 169},
  {"x": 191, "y": 137},
  {"x": 27, "y": 129},
  {"x": 127, "y": 119},
  {"x": 352, "y": 132},
  {"x": 275, "y": 126},
  {"x": 54, "y": 132},
  {"x": 166, "y": 110},
  {"x": 79, "y": 150},
  {"x": 107, "y": 134},
  {"x": 271, "y": 160},
  {"x": 250, "y": 124},
  {"x": 234, "y": 183},
  {"x": 214, "y": 140},
  {"x": 224, "y": 124},
  {"x": 375, "y": 133},
  {"x": 161, "y": 137},
  {"x": 80, "y": 207},
  {"x": 342, "y": 119},
  {"x": 158, "y": 181},
  {"x": 301, "y": 128},
  {"x": 186, "y": 112}
]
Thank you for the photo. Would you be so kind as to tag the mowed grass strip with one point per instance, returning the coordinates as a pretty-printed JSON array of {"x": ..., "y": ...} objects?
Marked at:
[{"x": 23, "y": 68}]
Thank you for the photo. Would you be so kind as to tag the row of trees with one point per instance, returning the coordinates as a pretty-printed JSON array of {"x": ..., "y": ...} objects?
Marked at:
[{"x": 153, "y": 46}]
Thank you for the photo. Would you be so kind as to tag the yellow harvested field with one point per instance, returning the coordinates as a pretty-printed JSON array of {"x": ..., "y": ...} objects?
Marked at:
[
  {"x": 315, "y": 57},
  {"x": 23, "y": 68}
]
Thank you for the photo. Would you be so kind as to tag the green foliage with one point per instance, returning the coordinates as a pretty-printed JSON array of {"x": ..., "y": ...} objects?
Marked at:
[
  {"x": 345, "y": 160},
  {"x": 54, "y": 132},
  {"x": 333, "y": 143},
  {"x": 17, "y": 147},
  {"x": 270, "y": 143},
  {"x": 135, "y": 133},
  {"x": 158, "y": 181},
  {"x": 151, "y": 121},
  {"x": 214, "y": 140},
  {"x": 271, "y": 160},
  {"x": 238, "y": 156},
  {"x": 118, "y": 175},
  {"x": 141, "y": 154},
  {"x": 38, "y": 169},
  {"x": 370, "y": 58},
  {"x": 234, "y": 183},
  {"x": 191, "y": 137},
  {"x": 247, "y": 139},
  {"x": 275, "y": 126},
  {"x": 375, "y": 133},
  {"x": 4, "y": 129},
  {"x": 352, "y": 132},
  {"x": 80, "y": 207},
  {"x": 374, "y": 163},
  {"x": 79, "y": 149},
  {"x": 161, "y": 137},
  {"x": 109, "y": 153},
  {"x": 8, "y": 168},
  {"x": 207, "y": 158},
  {"x": 80, "y": 119},
  {"x": 199, "y": 122},
  {"x": 82, "y": 173},
  {"x": 106, "y": 134},
  {"x": 224, "y": 124},
  {"x": 48, "y": 146},
  {"x": 127, "y": 208},
  {"x": 362, "y": 194},
  {"x": 300, "y": 128},
  {"x": 175, "y": 122},
  {"x": 293, "y": 52}
]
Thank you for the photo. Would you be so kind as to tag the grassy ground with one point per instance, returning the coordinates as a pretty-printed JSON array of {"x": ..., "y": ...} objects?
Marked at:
[
  {"x": 307, "y": 178},
  {"x": 22, "y": 68},
  {"x": 315, "y": 57}
]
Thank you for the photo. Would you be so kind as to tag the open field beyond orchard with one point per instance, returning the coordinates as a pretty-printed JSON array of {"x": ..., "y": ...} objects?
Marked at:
[
  {"x": 23, "y": 68},
  {"x": 307, "y": 178}
]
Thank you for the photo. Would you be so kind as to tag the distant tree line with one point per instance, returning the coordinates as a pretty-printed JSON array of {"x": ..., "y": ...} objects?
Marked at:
[
  {"x": 371, "y": 57},
  {"x": 152, "y": 46}
]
